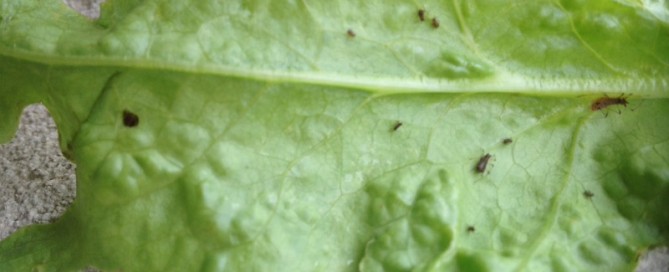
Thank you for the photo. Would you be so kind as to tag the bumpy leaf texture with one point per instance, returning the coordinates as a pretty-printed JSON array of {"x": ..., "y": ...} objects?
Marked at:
[{"x": 347, "y": 135}]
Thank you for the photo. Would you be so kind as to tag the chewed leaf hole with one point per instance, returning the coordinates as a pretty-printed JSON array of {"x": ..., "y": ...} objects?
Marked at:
[{"x": 130, "y": 119}]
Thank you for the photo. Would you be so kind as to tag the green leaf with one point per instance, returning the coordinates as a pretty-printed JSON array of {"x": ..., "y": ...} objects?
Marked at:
[{"x": 267, "y": 139}]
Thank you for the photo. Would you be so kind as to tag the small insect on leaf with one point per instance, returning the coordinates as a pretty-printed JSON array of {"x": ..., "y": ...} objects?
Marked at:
[
  {"x": 397, "y": 125},
  {"x": 421, "y": 14},
  {"x": 350, "y": 33},
  {"x": 482, "y": 163},
  {"x": 471, "y": 229},
  {"x": 507, "y": 141},
  {"x": 587, "y": 194},
  {"x": 435, "y": 23},
  {"x": 130, "y": 119},
  {"x": 605, "y": 102}
]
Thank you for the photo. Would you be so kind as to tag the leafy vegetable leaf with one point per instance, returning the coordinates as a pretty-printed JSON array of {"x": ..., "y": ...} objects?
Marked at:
[{"x": 259, "y": 135}]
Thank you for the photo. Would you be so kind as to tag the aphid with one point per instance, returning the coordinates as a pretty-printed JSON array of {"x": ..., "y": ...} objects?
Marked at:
[
  {"x": 604, "y": 102},
  {"x": 587, "y": 194},
  {"x": 483, "y": 163},
  {"x": 507, "y": 141},
  {"x": 421, "y": 14},
  {"x": 471, "y": 229},
  {"x": 435, "y": 22},
  {"x": 350, "y": 33},
  {"x": 130, "y": 119},
  {"x": 397, "y": 125}
]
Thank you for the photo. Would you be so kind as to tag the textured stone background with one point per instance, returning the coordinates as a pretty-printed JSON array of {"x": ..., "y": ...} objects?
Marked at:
[{"x": 37, "y": 183}]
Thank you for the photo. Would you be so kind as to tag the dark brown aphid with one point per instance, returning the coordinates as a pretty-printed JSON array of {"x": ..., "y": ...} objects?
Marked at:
[
  {"x": 421, "y": 14},
  {"x": 435, "y": 22},
  {"x": 604, "y": 102},
  {"x": 507, "y": 141},
  {"x": 130, "y": 119},
  {"x": 397, "y": 126},
  {"x": 350, "y": 33},
  {"x": 483, "y": 163},
  {"x": 471, "y": 229},
  {"x": 587, "y": 194}
]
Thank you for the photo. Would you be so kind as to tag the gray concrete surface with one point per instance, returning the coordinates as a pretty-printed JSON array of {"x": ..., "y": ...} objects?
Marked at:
[{"x": 37, "y": 183}]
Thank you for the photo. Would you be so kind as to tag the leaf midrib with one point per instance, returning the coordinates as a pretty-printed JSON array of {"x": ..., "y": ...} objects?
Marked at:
[{"x": 501, "y": 82}]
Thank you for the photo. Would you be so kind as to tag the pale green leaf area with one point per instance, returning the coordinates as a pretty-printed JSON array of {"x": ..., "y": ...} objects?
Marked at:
[{"x": 270, "y": 140}]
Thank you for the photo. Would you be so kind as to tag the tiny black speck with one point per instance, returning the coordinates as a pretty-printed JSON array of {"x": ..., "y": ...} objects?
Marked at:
[
  {"x": 130, "y": 119},
  {"x": 507, "y": 141},
  {"x": 471, "y": 229}
]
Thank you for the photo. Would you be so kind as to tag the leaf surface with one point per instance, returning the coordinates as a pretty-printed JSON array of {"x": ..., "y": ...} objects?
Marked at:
[{"x": 267, "y": 138}]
